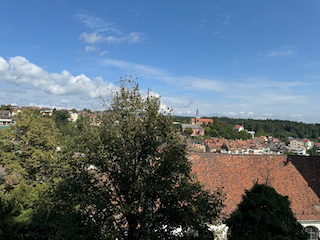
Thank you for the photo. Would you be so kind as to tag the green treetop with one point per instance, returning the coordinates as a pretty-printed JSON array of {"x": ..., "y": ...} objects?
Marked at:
[
  {"x": 188, "y": 131},
  {"x": 28, "y": 152},
  {"x": 263, "y": 214},
  {"x": 148, "y": 180}
]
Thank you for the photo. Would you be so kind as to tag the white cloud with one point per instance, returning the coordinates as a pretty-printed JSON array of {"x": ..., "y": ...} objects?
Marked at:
[
  {"x": 91, "y": 37},
  {"x": 248, "y": 95},
  {"x": 103, "y": 53},
  {"x": 20, "y": 71},
  {"x": 242, "y": 88},
  {"x": 225, "y": 23},
  {"x": 296, "y": 116},
  {"x": 252, "y": 97},
  {"x": 134, "y": 37},
  {"x": 97, "y": 23},
  {"x": 90, "y": 49},
  {"x": 281, "y": 52},
  {"x": 3, "y": 65},
  {"x": 105, "y": 31},
  {"x": 136, "y": 13}
]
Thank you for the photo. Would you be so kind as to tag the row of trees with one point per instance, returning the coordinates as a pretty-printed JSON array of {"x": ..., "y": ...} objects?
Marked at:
[
  {"x": 279, "y": 128},
  {"x": 131, "y": 178}
]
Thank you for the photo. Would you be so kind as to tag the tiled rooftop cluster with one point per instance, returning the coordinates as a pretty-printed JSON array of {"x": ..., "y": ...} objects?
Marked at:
[
  {"x": 235, "y": 173},
  {"x": 237, "y": 145}
]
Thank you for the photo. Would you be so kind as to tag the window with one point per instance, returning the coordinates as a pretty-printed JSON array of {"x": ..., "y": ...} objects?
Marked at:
[{"x": 313, "y": 233}]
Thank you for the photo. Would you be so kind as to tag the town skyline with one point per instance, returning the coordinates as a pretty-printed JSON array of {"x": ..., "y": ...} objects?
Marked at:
[{"x": 240, "y": 60}]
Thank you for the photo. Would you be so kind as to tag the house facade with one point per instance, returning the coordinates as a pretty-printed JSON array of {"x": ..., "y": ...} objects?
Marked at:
[
  {"x": 238, "y": 128},
  {"x": 197, "y": 130},
  {"x": 6, "y": 119}
]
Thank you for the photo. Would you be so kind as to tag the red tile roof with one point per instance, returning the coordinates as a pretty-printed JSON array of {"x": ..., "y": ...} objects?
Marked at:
[
  {"x": 238, "y": 172},
  {"x": 202, "y": 120},
  {"x": 238, "y": 126}
]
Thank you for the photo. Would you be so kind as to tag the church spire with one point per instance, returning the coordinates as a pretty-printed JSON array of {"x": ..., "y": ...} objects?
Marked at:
[{"x": 197, "y": 114}]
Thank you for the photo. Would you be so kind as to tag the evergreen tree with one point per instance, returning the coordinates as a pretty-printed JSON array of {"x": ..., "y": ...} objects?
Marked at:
[{"x": 263, "y": 214}]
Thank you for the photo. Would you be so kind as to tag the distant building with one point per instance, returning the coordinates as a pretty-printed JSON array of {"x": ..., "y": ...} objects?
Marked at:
[
  {"x": 73, "y": 117},
  {"x": 238, "y": 128},
  {"x": 197, "y": 130},
  {"x": 198, "y": 121},
  {"x": 46, "y": 111},
  {"x": 6, "y": 118}
]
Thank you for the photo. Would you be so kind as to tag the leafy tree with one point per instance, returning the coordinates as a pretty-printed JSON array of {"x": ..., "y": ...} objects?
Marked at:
[
  {"x": 188, "y": 131},
  {"x": 142, "y": 172},
  {"x": 60, "y": 117},
  {"x": 263, "y": 214},
  {"x": 28, "y": 152},
  {"x": 5, "y": 107},
  {"x": 67, "y": 129},
  {"x": 34, "y": 139}
]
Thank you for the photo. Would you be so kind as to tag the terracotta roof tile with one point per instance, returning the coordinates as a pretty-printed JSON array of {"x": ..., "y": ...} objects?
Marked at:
[{"x": 295, "y": 177}]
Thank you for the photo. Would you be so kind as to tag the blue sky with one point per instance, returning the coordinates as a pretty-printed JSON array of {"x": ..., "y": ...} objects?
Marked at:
[{"x": 242, "y": 59}]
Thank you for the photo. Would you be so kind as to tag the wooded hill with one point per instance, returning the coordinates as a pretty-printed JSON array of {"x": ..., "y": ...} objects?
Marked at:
[{"x": 281, "y": 129}]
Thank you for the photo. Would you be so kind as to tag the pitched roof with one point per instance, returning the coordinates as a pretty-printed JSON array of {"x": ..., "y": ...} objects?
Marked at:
[
  {"x": 235, "y": 173},
  {"x": 5, "y": 112},
  {"x": 238, "y": 126},
  {"x": 192, "y": 126},
  {"x": 204, "y": 120}
]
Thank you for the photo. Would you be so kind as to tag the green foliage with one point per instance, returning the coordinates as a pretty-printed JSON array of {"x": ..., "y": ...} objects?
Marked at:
[
  {"x": 314, "y": 151},
  {"x": 188, "y": 131},
  {"x": 141, "y": 186},
  {"x": 281, "y": 129},
  {"x": 66, "y": 128},
  {"x": 35, "y": 139},
  {"x": 263, "y": 214},
  {"x": 148, "y": 191},
  {"x": 60, "y": 117},
  {"x": 5, "y": 107},
  {"x": 225, "y": 130},
  {"x": 17, "y": 209},
  {"x": 28, "y": 152}
]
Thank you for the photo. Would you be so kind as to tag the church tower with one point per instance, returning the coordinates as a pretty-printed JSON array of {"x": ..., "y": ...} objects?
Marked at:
[{"x": 197, "y": 118}]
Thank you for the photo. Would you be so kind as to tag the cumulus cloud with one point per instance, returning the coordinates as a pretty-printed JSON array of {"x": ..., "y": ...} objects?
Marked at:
[
  {"x": 3, "y": 65},
  {"x": 64, "y": 100},
  {"x": 18, "y": 70}
]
